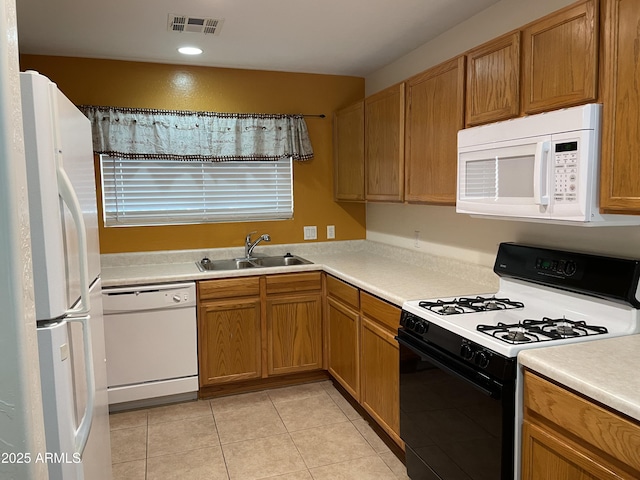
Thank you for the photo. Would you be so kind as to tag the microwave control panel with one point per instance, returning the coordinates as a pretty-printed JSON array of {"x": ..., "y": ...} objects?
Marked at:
[{"x": 565, "y": 172}]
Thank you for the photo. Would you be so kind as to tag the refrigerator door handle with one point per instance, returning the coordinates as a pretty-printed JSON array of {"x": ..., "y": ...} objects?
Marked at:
[
  {"x": 70, "y": 198},
  {"x": 82, "y": 432}
]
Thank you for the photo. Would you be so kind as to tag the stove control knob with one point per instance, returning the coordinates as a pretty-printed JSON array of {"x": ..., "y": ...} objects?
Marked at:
[
  {"x": 466, "y": 351},
  {"x": 421, "y": 327},
  {"x": 410, "y": 323},
  {"x": 570, "y": 268},
  {"x": 482, "y": 359}
]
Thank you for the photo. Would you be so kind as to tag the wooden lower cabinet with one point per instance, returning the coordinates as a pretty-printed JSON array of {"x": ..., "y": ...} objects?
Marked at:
[
  {"x": 379, "y": 371},
  {"x": 566, "y": 436},
  {"x": 363, "y": 354},
  {"x": 294, "y": 333},
  {"x": 229, "y": 341},
  {"x": 255, "y": 327},
  {"x": 380, "y": 363},
  {"x": 343, "y": 332},
  {"x": 270, "y": 328}
]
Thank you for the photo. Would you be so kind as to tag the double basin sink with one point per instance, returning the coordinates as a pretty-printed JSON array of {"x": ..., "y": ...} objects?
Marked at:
[{"x": 206, "y": 265}]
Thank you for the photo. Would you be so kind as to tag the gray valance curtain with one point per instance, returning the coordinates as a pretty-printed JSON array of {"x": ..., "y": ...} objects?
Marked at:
[{"x": 197, "y": 136}]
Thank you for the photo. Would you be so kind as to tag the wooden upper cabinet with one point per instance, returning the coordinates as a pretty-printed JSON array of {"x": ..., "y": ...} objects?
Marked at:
[
  {"x": 560, "y": 59},
  {"x": 348, "y": 157},
  {"x": 620, "y": 167},
  {"x": 435, "y": 113},
  {"x": 493, "y": 81},
  {"x": 384, "y": 144}
]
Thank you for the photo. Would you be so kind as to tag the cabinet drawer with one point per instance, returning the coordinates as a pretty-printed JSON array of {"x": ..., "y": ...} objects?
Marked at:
[
  {"x": 381, "y": 311},
  {"x": 343, "y": 291},
  {"x": 593, "y": 424},
  {"x": 293, "y": 282},
  {"x": 229, "y": 287}
]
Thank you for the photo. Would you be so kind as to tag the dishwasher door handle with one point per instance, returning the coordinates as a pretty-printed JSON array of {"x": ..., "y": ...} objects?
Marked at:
[{"x": 132, "y": 292}]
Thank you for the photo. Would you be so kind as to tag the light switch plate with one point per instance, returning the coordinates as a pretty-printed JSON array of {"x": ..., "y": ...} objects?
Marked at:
[
  {"x": 310, "y": 233},
  {"x": 331, "y": 232}
]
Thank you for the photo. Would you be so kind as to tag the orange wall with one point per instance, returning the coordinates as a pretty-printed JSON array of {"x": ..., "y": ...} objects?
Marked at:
[{"x": 177, "y": 87}]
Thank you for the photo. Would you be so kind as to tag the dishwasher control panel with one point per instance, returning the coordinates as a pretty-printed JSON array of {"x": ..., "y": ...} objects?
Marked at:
[
  {"x": 176, "y": 297},
  {"x": 148, "y": 297}
]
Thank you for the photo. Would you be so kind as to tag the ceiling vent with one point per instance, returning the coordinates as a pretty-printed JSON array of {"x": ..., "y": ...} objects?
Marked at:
[{"x": 184, "y": 23}]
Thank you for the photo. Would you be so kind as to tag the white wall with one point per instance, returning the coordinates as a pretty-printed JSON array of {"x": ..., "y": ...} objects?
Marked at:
[
  {"x": 446, "y": 233},
  {"x": 441, "y": 230},
  {"x": 21, "y": 424}
]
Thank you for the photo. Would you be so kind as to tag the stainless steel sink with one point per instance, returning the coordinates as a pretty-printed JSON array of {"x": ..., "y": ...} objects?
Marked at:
[{"x": 240, "y": 263}]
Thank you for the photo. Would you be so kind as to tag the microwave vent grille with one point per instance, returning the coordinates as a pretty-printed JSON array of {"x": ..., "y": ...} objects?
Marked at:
[{"x": 481, "y": 179}]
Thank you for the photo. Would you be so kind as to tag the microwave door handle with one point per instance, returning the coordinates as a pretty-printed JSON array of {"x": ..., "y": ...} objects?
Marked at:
[{"x": 540, "y": 166}]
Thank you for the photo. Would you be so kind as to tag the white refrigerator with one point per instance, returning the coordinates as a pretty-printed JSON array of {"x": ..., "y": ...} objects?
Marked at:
[{"x": 66, "y": 274}]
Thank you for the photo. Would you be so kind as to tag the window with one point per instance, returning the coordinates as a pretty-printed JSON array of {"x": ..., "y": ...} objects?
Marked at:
[{"x": 159, "y": 192}]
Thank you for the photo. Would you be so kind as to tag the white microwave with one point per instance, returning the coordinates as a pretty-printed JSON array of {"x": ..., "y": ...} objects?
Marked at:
[{"x": 543, "y": 167}]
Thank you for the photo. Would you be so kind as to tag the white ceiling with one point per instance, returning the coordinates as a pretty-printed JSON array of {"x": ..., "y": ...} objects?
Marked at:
[{"x": 342, "y": 37}]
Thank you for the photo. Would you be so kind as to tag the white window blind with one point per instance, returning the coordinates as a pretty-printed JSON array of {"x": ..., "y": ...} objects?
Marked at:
[{"x": 147, "y": 192}]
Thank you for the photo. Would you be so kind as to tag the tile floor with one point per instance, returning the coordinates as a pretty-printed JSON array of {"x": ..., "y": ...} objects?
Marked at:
[{"x": 296, "y": 433}]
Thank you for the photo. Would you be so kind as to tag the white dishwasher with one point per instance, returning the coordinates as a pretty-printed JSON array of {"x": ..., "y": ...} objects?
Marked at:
[{"x": 151, "y": 344}]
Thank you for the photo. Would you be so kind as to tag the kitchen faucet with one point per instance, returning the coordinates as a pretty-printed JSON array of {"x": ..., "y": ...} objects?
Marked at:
[{"x": 248, "y": 246}]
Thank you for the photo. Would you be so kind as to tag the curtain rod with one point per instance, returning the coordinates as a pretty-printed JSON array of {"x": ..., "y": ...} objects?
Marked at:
[{"x": 322, "y": 115}]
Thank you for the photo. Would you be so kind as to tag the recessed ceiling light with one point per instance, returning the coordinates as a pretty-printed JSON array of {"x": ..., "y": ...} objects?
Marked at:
[{"x": 190, "y": 50}]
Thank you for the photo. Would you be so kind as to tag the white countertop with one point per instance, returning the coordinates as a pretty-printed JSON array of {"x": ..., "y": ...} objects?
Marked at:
[
  {"x": 604, "y": 370},
  {"x": 391, "y": 273},
  {"x": 598, "y": 369}
]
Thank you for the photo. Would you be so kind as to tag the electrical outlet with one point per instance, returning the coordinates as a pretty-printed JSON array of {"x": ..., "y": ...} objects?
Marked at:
[
  {"x": 331, "y": 232},
  {"x": 310, "y": 233},
  {"x": 416, "y": 238}
]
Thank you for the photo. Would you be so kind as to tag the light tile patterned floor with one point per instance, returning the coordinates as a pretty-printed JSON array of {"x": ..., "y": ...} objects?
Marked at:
[{"x": 304, "y": 432}]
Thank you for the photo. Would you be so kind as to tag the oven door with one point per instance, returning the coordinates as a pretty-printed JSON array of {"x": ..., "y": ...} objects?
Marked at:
[{"x": 457, "y": 423}]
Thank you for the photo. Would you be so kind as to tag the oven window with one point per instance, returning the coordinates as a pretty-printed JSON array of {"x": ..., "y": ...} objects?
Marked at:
[{"x": 454, "y": 429}]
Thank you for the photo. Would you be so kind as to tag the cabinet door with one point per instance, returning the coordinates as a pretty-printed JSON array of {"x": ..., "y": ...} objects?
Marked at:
[
  {"x": 493, "y": 81},
  {"x": 380, "y": 376},
  {"x": 435, "y": 113},
  {"x": 384, "y": 144},
  {"x": 560, "y": 59},
  {"x": 620, "y": 188},
  {"x": 294, "y": 333},
  {"x": 348, "y": 157},
  {"x": 545, "y": 456},
  {"x": 229, "y": 341},
  {"x": 578, "y": 431},
  {"x": 343, "y": 348}
]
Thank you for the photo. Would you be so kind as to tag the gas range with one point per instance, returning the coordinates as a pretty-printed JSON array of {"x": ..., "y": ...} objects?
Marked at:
[
  {"x": 459, "y": 354},
  {"x": 538, "y": 303}
]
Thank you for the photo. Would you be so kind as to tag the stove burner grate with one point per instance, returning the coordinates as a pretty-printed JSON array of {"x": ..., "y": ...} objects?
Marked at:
[
  {"x": 517, "y": 335},
  {"x": 540, "y": 330},
  {"x": 469, "y": 305}
]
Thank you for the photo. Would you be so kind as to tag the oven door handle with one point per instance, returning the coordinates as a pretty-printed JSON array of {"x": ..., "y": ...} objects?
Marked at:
[{"x": 432, "y": 358}]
